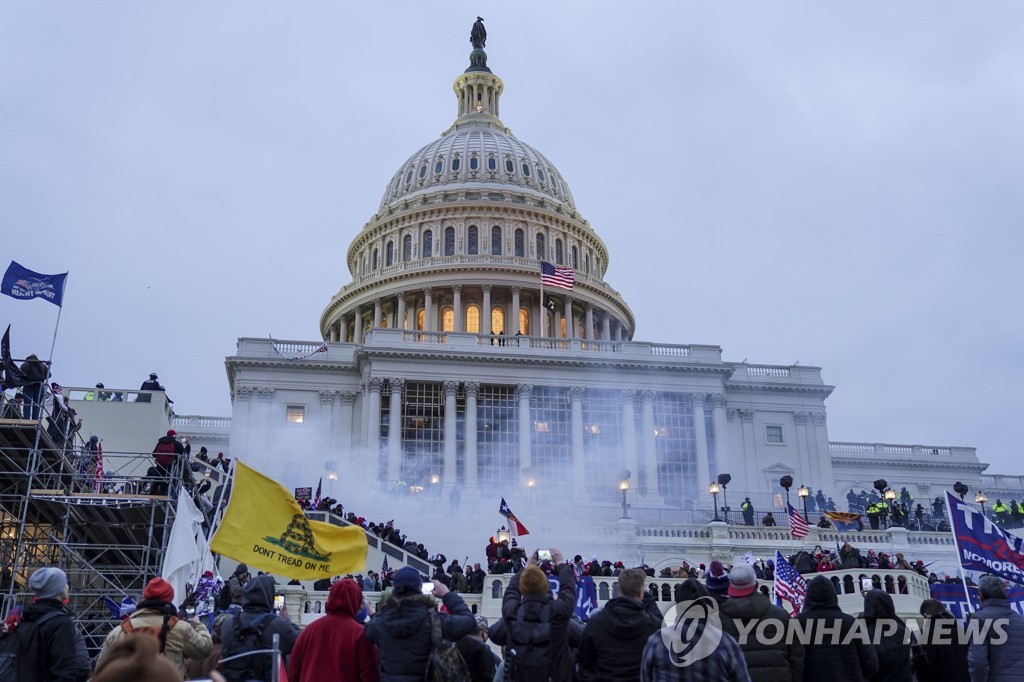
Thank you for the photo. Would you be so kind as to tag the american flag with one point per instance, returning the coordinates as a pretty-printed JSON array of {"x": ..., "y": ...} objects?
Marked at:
[
  {"x": 316, "y": 498},
  {"x": 790, "y": 586},
  {"x": 384, "y": 568},
  {"x": 99, "y": 467},
  {"x": 550, "y": 276},
  {"x": 797, "y": 526}
]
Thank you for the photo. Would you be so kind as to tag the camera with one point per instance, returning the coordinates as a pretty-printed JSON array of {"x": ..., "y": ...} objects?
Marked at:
[{"x": 543, "y": 555}]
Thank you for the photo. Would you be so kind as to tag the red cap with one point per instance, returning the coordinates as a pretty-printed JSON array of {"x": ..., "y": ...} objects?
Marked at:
[{"x": 171, "y": 432}]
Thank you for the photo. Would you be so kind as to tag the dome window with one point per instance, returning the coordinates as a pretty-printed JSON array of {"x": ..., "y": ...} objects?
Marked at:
[
  {"x": 474, "y": 163},
  {"x": 541, "y": 253},
  {"x": 526, "y": 170},
  {"x": 524, "y": 321},
  {"x": 492, "y": 164},
  {"x": 509, "y": 166},
  {"x": 575, "y": 259},
  {"x": 438, "y": 167},
  {"x": 407, "y": 247},
  {"x": 540, "y": 174},
  {"x": 473, "y": 240},
  {"x": 408, "y": 177},
  {"x": 497, "y": 319},
  {"x": 456, "y": 164},
  {"x": 376, "y": 259},
  {"x": 448, "y": 320},
  {"x": 520, "y": 244},
  {"x": 423, "y": 170},
  {"x": 449, "y": 241},
  {"x": 389, "y": 258},
  {"x": 495, "y": 241},
  {"x": 586, "y": 263},
  {"x": 428, "y": 243},
  {"x": 559, "y": 256},
  {"x": 473, "y": 319}
]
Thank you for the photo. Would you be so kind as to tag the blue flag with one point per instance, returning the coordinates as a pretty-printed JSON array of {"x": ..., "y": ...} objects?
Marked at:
[
  {"x": 21, "y": 283},
  {"x": 953, "y": 598},
  {"x": 983, "y": 546},
  {"x": 586, "y": 595}
]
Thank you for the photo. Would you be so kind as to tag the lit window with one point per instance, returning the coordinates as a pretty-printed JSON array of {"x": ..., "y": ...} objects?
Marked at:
[
  {"x": 542, "y": 427},
  {"x": 563, "y": 327},
  {"x": 592, "y": 428},
  {"x": 524, "y": 321},
  {"x": 472, "y": 240},
  {"x": 660, "y": 431},
  {"x": 421, "y": 319},
  {"x": 773, "y": 434},
  {"x": 448, "y": 320},
  {"x": 473, "y": 319},
  {"x": 497, "y": 319},
  {"x": 295, "y": 414}
]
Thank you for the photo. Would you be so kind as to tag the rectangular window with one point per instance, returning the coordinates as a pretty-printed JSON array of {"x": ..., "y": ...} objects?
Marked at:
[
  {"x": 295, "y": 414},
  {"x": 773, "y": 434}
]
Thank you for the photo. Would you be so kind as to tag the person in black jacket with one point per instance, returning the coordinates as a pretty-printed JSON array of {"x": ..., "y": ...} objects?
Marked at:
[
  {"x": 36, "y": 373},
  {"x": 401, "y": 628},
  {"x": 62, "y": 654},
  {"x": 614, "y": 637},
  {"x": 257, "y": 602},
  {"x": 479, "y": 658},
  {"x": 893, "y": 648},
  {"x": 768, "y": 657},
  {"x": 943, "y": 653},
  {"x": 832, "y": 660}
]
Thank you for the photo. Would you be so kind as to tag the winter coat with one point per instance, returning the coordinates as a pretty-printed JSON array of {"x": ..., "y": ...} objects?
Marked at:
[
  {"x": 1002, "y": 662},
  {"x": 185, "y": 640},
  {"x": 614, "y": 639},
  {"x": 60, "y": 659},
  {"x": 765, "y": 662},
  {"x": 832, "y": 661},
  {"x": 179, "y": 449},
  {"x": 35, "y": 371},
  {"x": 850, "y": 557},
  {"x": 945, "y": 661},
  {"x": 893, "y": 650},
  {"x": 257, "y": 601},
  {"x": 334, "y": 648},
  {"x": 561, "y": 611},
  {"x": 401, "y": 631},
  {"x": 480, "y": 660}
]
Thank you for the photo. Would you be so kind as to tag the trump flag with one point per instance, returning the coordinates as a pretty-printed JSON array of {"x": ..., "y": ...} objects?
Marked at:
[
  {"x": 265, "y": 527},
  {"x": 983, "y": 546},
  {"x": 21, "y": 283}
]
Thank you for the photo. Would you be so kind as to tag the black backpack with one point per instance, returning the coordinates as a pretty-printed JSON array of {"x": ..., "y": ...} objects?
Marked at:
[
  {"x": 445, "y": 663},
  {"x": 224, "y": 598},
  {"x": 245, "y": 639},
  {"x": 19, "y": 650},
  {"x": 530, "y": 645}
]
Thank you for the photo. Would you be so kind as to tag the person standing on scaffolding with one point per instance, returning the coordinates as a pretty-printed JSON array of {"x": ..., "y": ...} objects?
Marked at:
[{"x": 168, "y": 454}]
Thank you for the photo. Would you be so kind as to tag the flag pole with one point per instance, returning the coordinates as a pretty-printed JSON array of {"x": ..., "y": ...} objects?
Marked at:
[
  {"x": 56, "y": 326},
  {"x": 543, "y": 308},
  {"x": 959, "y": 554}
]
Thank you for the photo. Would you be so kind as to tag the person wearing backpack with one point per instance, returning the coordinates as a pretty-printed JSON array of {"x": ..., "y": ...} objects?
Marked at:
[
  {"x": 536, "y": 624},
  {"x": 45, "y": 644},
  {"x": 155, "y": 617},
  {"x": 234, "y": 591},
  {"x": 403, "y": 627},
  {"x": 253, "y": 628},
  {"x": 168, "y": 449}
]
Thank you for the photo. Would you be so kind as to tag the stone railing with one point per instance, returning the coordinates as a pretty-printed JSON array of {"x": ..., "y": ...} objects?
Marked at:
[
  {"x": 888, "y": 450},
  {"x": 195, "y": 422}
]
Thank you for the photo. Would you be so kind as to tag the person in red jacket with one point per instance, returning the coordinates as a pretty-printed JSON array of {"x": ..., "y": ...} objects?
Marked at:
[{"x": 334, "y": 648}]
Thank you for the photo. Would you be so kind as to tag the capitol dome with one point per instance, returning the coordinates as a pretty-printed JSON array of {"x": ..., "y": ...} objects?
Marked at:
[{"x": 461, "y": 232}]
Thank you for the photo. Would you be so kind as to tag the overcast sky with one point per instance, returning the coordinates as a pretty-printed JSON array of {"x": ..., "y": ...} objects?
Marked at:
[{"x": 838, "y": 184}]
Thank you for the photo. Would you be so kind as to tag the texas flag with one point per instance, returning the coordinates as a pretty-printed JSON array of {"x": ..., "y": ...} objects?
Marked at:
[{"x": 516, "y": 527}]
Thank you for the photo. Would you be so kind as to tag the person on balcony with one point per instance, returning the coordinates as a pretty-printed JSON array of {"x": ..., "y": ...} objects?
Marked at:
[
  {"x": 151, "y": 384},
  {"x": 768, "y": 520},
  {"x": 747, "y": 507}
]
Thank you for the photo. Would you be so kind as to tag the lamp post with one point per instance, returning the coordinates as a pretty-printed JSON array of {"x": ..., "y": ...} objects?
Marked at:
[
  {"x": 723, "y": 480},
  {"x": 624, "y": 487},
  {"x": 981, "y": 498},
  {"x": 786, "y": 482},
  {"x": 714, "y": 490},
  {"x": 503, "y": 535},
  {"x": 890, "y": 497},
  {"x": 803, "y": 491}
]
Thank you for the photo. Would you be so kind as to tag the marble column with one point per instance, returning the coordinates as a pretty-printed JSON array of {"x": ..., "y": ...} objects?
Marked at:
[
  {"x": 523, "y": 392},
  {"x": 570, "y": 328},
  {"x": 358, "y": 338},
  {"x": 326, "y": 426},
  {"x": 541, "y": 326},
  {"x": 332, "y": 333},
  {"x": 629, "y": 434},
  {"x": 750, "y": 447},
  {"x": 348, "y": 399},
  {"x": 395, "y": 429},
  {"x": 576, "y": 441},
  {"x": 400, "y": 317},
  {"x": 428, "y": 310},
  {"x": 589, "y": 310},
  {"x": 722, "y": 460},
  {"x": 266, "y": 398},
  {"x": 485, "y": 314},
  {"x": 512, "y": 319},
  {"x": 343, "y": 328},
  {"x": 647, "y": 437},
  {"x": 619, "y": 336},
  {"x": 450, "y": 478},
  {"x": 371, "y": 421},
  {"x": 376, "y": 313},
  {"x": 471, "y": 387},
  {"x": 606, "y": 328},
  {"x": 240, "y": 419},
  {"x": 457, "y": 308},
  {"x": 700, "y": 435}
]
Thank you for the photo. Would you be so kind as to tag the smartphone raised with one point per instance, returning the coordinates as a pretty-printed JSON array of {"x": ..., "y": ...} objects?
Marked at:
[
  {"x": 543, "y": 555},
  {"x": 866, "y": 585},
  {"x": 278, "y": 603},
  {"x": 428, "y": 587},
  {"x": 190, "y": 610}
]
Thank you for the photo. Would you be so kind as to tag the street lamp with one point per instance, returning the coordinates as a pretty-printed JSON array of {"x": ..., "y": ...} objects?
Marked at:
[
  {"x": 890, "y": 497},
  {"x": 624, "y": 487},
  {"x": 803, "y": 491},
  {"x": 786, "y": 482},
  {"x": 503, "y": 535},
  {"x": 723, "y": 480},
  {"x": 981, "y": 498},
  {"x": 714, "y": 490}
]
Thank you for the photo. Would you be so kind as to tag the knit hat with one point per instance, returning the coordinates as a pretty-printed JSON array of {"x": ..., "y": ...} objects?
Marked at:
[
  {"x": 407, "y": 577},
  {"x": 742, "y": 581},
  {"x": 48, "y": 582},
  {"x": 532, "y": 581},
  {"x": 172, "y": 432},
  {"x": 136, "y": 657},
  {"x": 240, "y": 569},
  {"x": 160, "y": 590},
  {"x": 717, "y": 579}
]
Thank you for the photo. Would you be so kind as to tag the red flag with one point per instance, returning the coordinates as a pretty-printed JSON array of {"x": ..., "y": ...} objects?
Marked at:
[
  {"x": 517, "y": 528},
  {"x": 99, "y": 467}
]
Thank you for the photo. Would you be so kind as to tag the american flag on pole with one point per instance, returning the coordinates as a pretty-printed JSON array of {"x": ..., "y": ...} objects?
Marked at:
[
  {"x": 790, "y": 586},
  {"x": 550, "y": 276},
  {"x": 99, "y": 467},
  {"x": 797, "y": 526},
  {"x": 316, "y": 498},
  {"x": 384, "y": 568}
]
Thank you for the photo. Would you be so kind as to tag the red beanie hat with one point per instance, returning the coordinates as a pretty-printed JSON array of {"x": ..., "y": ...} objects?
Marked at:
[{"x": 160, "y": 590}]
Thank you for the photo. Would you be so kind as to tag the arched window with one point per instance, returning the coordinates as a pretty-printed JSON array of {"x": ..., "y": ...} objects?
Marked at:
[
  {"x": 384, "y": 322},
  {"x": 474, "y": 163},
  {"x": 582, "y": 331},
  {"x": 495, "y": 241},
  {"x": 520, "y": 240},
  {"x": 407, "y": 247},
  {"x": 428, "y": 243},
  {"x": 558, "y": 252},
  {"x": 389, "y": 259},
  {"x": 473, "y": 319},
  {"x": 575, "y": 258},
  {"x": 439, "y": 166},
  {"x": 492, "y": 164},
  {"x": 509, "y": 166},
  {"x": 376, "y": 259},
  {"x": 472, "y": 240},
  {"x": 449, "y": 241},
  {"x": 586, "y": 263},
  {"x": 524, "y": 321},
  {"x": 497, "y": 319},
  {"x": 541, "y": 254},
  {"x": 421, "y": 319},
  {"x": 447, "y": 320}
]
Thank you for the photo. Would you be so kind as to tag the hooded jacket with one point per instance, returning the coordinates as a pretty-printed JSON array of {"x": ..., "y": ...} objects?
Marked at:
[
  {"x": 832, "y": 660},
  {"x": 1003, "y": 662},
  {"x": 943, "y": 655},
  {"x": 561, "y": 611},
  {"x": 334, "y": 648},
  {"x": 401, "y": 631},
  {"x": 60, "y": 662},
  {"x": 185, "y": 640},
  {"x": 614, "y": 639},
  {"x": 894, "y": 664},
  {"x": 765, "y": 661},
  {"x": 257, "y": 601}
]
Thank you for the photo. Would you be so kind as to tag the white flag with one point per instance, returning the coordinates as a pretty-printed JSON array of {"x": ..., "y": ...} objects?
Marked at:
[
  {"x": 748, "y": 558},
  {"x": 184, "y": 556}
]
